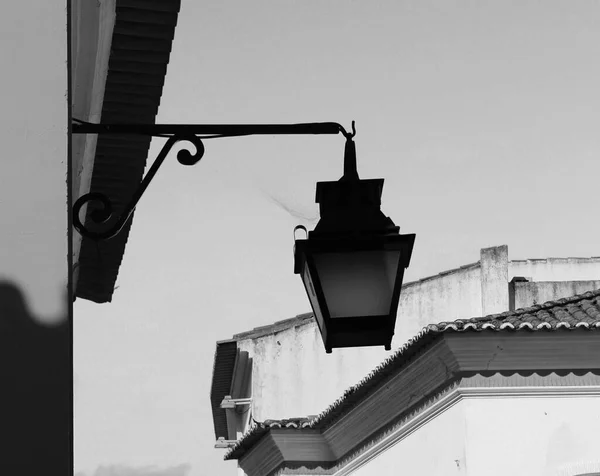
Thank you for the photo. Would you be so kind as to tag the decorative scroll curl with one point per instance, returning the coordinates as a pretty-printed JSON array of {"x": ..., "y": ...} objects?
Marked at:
[{"x": 104, "y": 213}]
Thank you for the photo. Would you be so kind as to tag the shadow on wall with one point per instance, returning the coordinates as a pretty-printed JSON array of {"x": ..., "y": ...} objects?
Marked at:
[{"x": 35, "y": 390}]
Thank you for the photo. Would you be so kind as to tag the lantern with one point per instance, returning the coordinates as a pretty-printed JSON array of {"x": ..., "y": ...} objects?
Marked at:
[{"x": 353, "y": 263}]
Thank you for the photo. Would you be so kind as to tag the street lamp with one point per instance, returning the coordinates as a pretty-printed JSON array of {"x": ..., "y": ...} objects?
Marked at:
[{"x": 351, "y": 264}]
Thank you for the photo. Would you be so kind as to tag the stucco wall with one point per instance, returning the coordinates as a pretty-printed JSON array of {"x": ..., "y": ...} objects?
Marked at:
[
  {"x": 533, "y": 436},
  {"x": 527, "y": 294},
  {"x": 444, "y": 297},
  {"x": 556, "y": 269},
  {"x": 438, "y": 448},
  {"x": 33, "y": 169},
  {"x": 35, "y": 339},
  {"x": 294, "y": 377}
]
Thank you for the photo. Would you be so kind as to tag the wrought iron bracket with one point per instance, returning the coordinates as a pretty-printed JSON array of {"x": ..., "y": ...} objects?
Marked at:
[{"x": 191, "y": 133}]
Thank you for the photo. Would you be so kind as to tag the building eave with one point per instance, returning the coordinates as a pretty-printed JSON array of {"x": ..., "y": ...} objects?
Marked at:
[
  {"x": 141, "y": 45},
  {"x": 432, "y": 382},
  {"x": 560, "y": 336},
  {"x": 553, "y": 385}
]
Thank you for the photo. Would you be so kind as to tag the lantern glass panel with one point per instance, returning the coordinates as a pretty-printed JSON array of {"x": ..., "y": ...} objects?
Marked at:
[
  {"x": 358, "y": 283},
  {"x": 312, "y": 296}
]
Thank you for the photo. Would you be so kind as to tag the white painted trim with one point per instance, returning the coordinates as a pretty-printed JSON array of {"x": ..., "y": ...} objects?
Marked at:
[
  {"x": 448, "y": 401},
  {"x": 97, "y": 65},
  {"x": 525, "y": 392}
]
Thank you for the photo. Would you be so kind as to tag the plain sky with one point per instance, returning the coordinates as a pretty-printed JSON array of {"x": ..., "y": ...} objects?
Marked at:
[{"x": 482, "y": 116}]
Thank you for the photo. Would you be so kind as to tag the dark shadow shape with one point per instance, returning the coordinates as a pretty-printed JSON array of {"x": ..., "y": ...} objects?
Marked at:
[{"x": 36, "y": 381}]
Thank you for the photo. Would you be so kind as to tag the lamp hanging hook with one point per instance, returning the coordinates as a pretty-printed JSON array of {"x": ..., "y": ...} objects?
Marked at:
[{"x": 348, "y": 135}]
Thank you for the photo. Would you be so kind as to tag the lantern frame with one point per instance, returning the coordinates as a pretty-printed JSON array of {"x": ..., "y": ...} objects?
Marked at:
[{"x": 370, "y": 330}]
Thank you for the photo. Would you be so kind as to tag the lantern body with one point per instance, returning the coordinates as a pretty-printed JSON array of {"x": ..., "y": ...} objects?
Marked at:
[
  {"x": 353, "y": 286},
  {"x": 352, "y": 264}
]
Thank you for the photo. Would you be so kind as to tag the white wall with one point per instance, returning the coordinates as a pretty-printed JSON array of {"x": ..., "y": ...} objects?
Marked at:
[
  {"x": 35, "y": 338},
  {"x": 33, "y": 167},
  {"x": 532, "y": 436},
  {"x": 527, "y": 294},
  {"x": 292, "y": 375},
  {"x": 499, "y": 436},
  {"x": 442, "y": 298},
  {"x": 438, "y": 448},
  {"x": 556, "y": 269}
]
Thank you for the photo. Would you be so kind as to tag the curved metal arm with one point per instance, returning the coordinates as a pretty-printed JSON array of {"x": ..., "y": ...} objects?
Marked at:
[
  {"x": 176, "y": 132},
  {"x": 102, "y": 215}
]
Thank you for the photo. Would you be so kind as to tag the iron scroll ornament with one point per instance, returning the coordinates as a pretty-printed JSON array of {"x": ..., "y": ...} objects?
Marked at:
[
  {"x": 104, "y": 214},
  {"x": 175, "y": 133}
]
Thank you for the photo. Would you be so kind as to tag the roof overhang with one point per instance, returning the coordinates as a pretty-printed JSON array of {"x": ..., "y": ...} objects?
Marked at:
[
  {"x": 230, "y": 375},
  {"x": 131, "y": 63},
  {"x": 223, "y": 371},
  {"x": 414, "y": 381}
]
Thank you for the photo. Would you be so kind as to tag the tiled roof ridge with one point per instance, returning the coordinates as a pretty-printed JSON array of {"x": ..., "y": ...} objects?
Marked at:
[
  {"x": 528, "y": 310},
  {"x": 277, "y": 326},
  {"x": 496, "y": 322},
  {"x": 297, "y": 422}
]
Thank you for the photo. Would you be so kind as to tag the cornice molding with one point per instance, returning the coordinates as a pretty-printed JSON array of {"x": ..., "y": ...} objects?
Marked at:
[
  {"x": 529, "y": 392},
  {"x": 514, "y": 352}
]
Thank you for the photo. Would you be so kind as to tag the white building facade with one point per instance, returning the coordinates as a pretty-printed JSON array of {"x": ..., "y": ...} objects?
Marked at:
[{"x": 277, "y": 378}]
